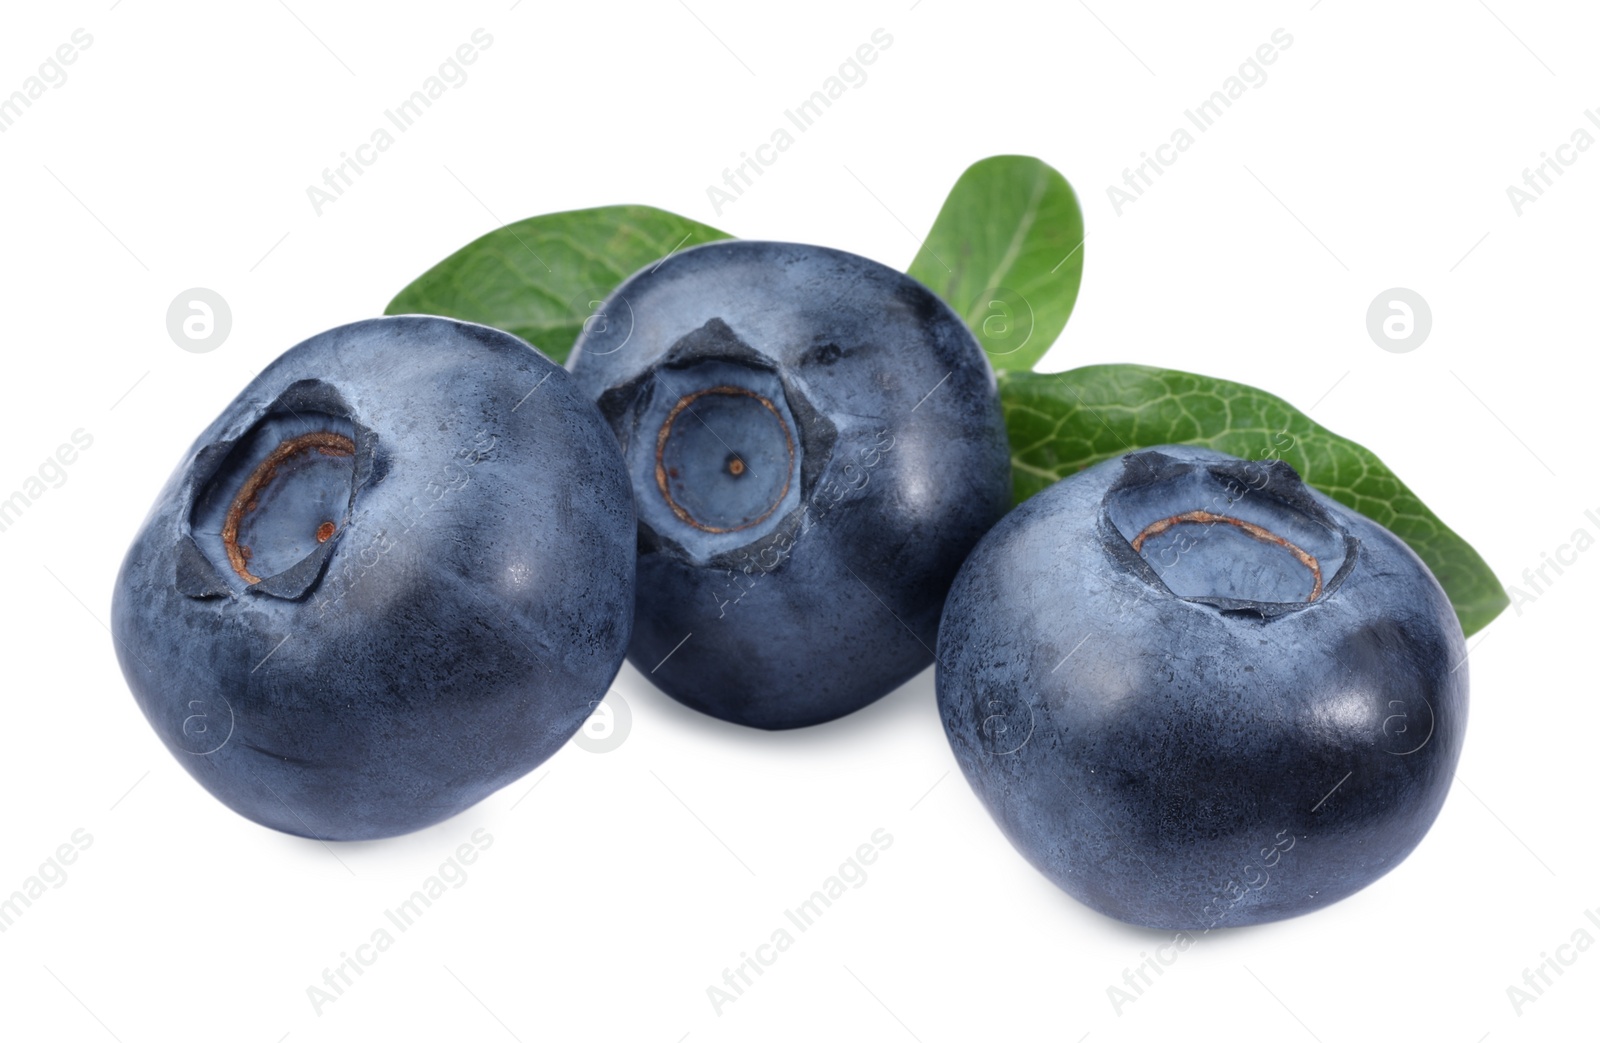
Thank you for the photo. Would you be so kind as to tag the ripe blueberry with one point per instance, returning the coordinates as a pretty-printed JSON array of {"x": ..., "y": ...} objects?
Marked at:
[
  {"x": 1197, "y": 693},
  {"x": 393, "y": 576},
  {"x": 815, "y": 443}
]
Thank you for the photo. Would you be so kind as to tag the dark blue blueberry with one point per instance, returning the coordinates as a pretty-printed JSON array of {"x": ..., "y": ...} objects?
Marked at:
[
  {"x": 1197, "y": 693},
  {"x": 393, "y": 576},
  {"x": 815, "y": 443}
]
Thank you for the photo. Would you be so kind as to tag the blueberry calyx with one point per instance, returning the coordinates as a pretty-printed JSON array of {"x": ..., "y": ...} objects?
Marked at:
[
  {"x": 265, "y": 510},
  {"x": 259, "y": 483},
  {"x": 682, "y": 469},
  {"x": 727, "y": 443},
  {"x": 1203, "y": 517},
  {"x": 1245, "y": 537}
]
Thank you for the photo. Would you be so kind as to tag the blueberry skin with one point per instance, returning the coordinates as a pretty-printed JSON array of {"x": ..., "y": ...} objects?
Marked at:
[
  {"x": 469, "y": 609},
  {"x": 1232, "y": 756},
  {"x": 838, "y": 451}
]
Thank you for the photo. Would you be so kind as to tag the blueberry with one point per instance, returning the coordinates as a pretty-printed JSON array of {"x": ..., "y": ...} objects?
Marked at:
[
  {"x": 1196, "y": 693},
  {"x": 393, "y": 576},
  {"x": 815, "y": 443}
]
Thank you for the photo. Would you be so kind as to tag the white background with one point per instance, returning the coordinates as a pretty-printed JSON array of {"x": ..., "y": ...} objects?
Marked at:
[{"x": 1376, "y": 154}]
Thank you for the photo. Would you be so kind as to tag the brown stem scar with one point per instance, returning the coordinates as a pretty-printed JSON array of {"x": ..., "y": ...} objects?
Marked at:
[
  {"x": 325, "y": 442},
  {"x": 736, "y": 466},
  {"x": 1203, "y": 517}
]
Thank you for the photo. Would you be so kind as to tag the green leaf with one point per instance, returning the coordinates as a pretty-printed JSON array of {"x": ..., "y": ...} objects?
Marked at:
[
  {"x": 1060, "y": 423},
  {"x": 1006, "y": 252},
  {"x": 542, "y": 278}
]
